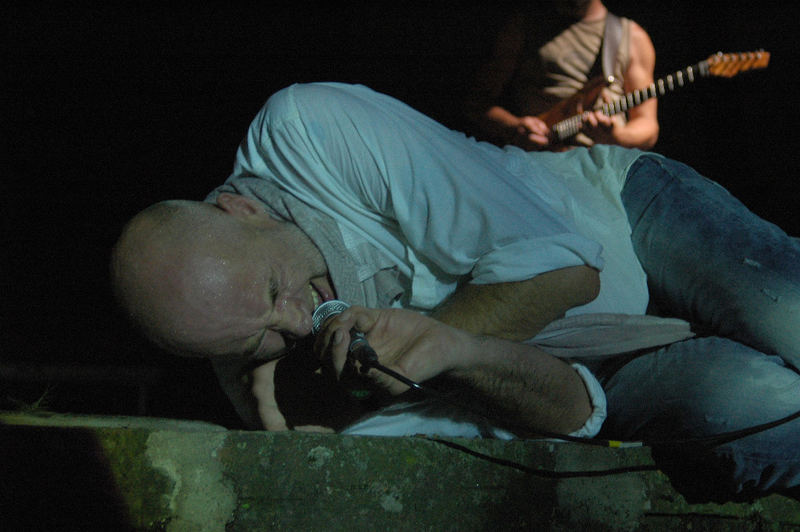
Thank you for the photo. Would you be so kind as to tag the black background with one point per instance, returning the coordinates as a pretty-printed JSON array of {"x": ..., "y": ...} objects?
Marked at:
[{"x": 109, "y": 108}]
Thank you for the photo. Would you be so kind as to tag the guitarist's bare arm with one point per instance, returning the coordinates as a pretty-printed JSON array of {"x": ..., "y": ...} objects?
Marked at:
[
  {"x": 527, "y": 132},
  {"x": 641, "y": 130},
  {"x": 495, "y": 121}
]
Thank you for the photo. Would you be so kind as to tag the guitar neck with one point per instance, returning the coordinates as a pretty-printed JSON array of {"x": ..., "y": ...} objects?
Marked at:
[
  {"x": 570, "y": 126},
  {"x": 719, "y": 64},
  {"x": 659, "y": 88}
]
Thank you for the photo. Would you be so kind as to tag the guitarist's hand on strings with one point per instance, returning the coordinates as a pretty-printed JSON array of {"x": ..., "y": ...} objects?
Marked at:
[
  {"x": 531, "y": 134},
  {"x": 600, "y": 128}
]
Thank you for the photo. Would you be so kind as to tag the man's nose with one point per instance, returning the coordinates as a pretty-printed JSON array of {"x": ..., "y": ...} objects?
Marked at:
[{"x": 292, "y": 319}]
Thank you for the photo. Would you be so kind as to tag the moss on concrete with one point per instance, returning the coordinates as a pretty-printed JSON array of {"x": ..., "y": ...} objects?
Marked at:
[{"x": 143, "y": 486}]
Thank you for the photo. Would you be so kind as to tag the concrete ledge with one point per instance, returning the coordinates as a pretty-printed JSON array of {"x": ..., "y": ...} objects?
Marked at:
[{"x": 63, "y": 472}]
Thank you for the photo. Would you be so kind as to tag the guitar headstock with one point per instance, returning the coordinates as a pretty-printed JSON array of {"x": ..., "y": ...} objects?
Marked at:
[{"x": 728, "y": 65}]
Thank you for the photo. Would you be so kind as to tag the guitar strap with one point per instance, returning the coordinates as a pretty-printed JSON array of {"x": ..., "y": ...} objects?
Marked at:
[{"x": 612, "y": 35}]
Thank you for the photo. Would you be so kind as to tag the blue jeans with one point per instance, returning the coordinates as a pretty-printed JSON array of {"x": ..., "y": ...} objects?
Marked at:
[{"x": 736, "y": 278}]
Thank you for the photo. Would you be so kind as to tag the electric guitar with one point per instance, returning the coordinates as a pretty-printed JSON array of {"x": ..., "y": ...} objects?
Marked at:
[{"x": 566, "y": 118}]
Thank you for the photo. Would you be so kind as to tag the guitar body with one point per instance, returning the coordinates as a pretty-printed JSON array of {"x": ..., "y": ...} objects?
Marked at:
[{"x": 581, "y": 101}]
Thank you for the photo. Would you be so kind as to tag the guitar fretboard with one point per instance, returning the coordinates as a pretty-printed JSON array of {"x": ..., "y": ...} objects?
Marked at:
[{"x": 572, "y": 125}]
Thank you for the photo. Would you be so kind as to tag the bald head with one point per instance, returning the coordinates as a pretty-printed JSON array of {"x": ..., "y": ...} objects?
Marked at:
[
  {"x": 203, "y": 279},
  {"x": 172, "y": 266}
]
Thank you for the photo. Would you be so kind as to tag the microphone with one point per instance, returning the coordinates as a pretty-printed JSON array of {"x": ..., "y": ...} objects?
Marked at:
[{"x": 359, "y": 349}]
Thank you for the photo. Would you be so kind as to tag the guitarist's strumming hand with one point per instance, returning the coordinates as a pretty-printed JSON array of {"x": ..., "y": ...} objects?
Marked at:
[{"x": 531, "y": 134}]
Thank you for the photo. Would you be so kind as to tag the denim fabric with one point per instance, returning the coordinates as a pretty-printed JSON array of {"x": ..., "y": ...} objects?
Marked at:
[{"x": 712, "y": 262}]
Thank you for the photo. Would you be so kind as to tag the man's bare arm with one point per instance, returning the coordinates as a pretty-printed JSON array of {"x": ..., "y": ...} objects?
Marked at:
[
  {"x": 642, "y": 128},
  {"x": 519, "y": 310},
  {"x": 482, "y": 107},
  {"x": 516, "y": 385},
  {"x": 263, "y": 389},
  {"x": 529, "y": 386},
  {"x": 511, "y": 375},
  {"x": 523, "y": 386}
]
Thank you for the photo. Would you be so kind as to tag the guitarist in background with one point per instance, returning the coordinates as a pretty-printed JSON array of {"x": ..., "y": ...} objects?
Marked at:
[{"x": 545, "y": 55}]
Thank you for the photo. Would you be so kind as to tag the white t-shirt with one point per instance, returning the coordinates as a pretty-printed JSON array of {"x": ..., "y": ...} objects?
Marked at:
[{"x": 444, "y": 207}]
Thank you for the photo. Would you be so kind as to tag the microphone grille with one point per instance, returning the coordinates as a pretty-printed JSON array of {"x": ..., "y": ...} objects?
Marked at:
[{"x": 325, "y": 311}]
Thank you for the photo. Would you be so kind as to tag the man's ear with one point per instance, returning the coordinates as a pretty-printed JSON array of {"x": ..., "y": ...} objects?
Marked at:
[{"x": 238, "y": 205}]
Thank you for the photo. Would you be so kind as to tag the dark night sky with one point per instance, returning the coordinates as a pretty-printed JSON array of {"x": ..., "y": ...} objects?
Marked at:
[{"x": 109, "y": 108}]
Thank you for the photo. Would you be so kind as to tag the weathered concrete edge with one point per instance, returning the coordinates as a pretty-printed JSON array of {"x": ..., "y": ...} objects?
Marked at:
[{"x": 178, "y": 475}]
